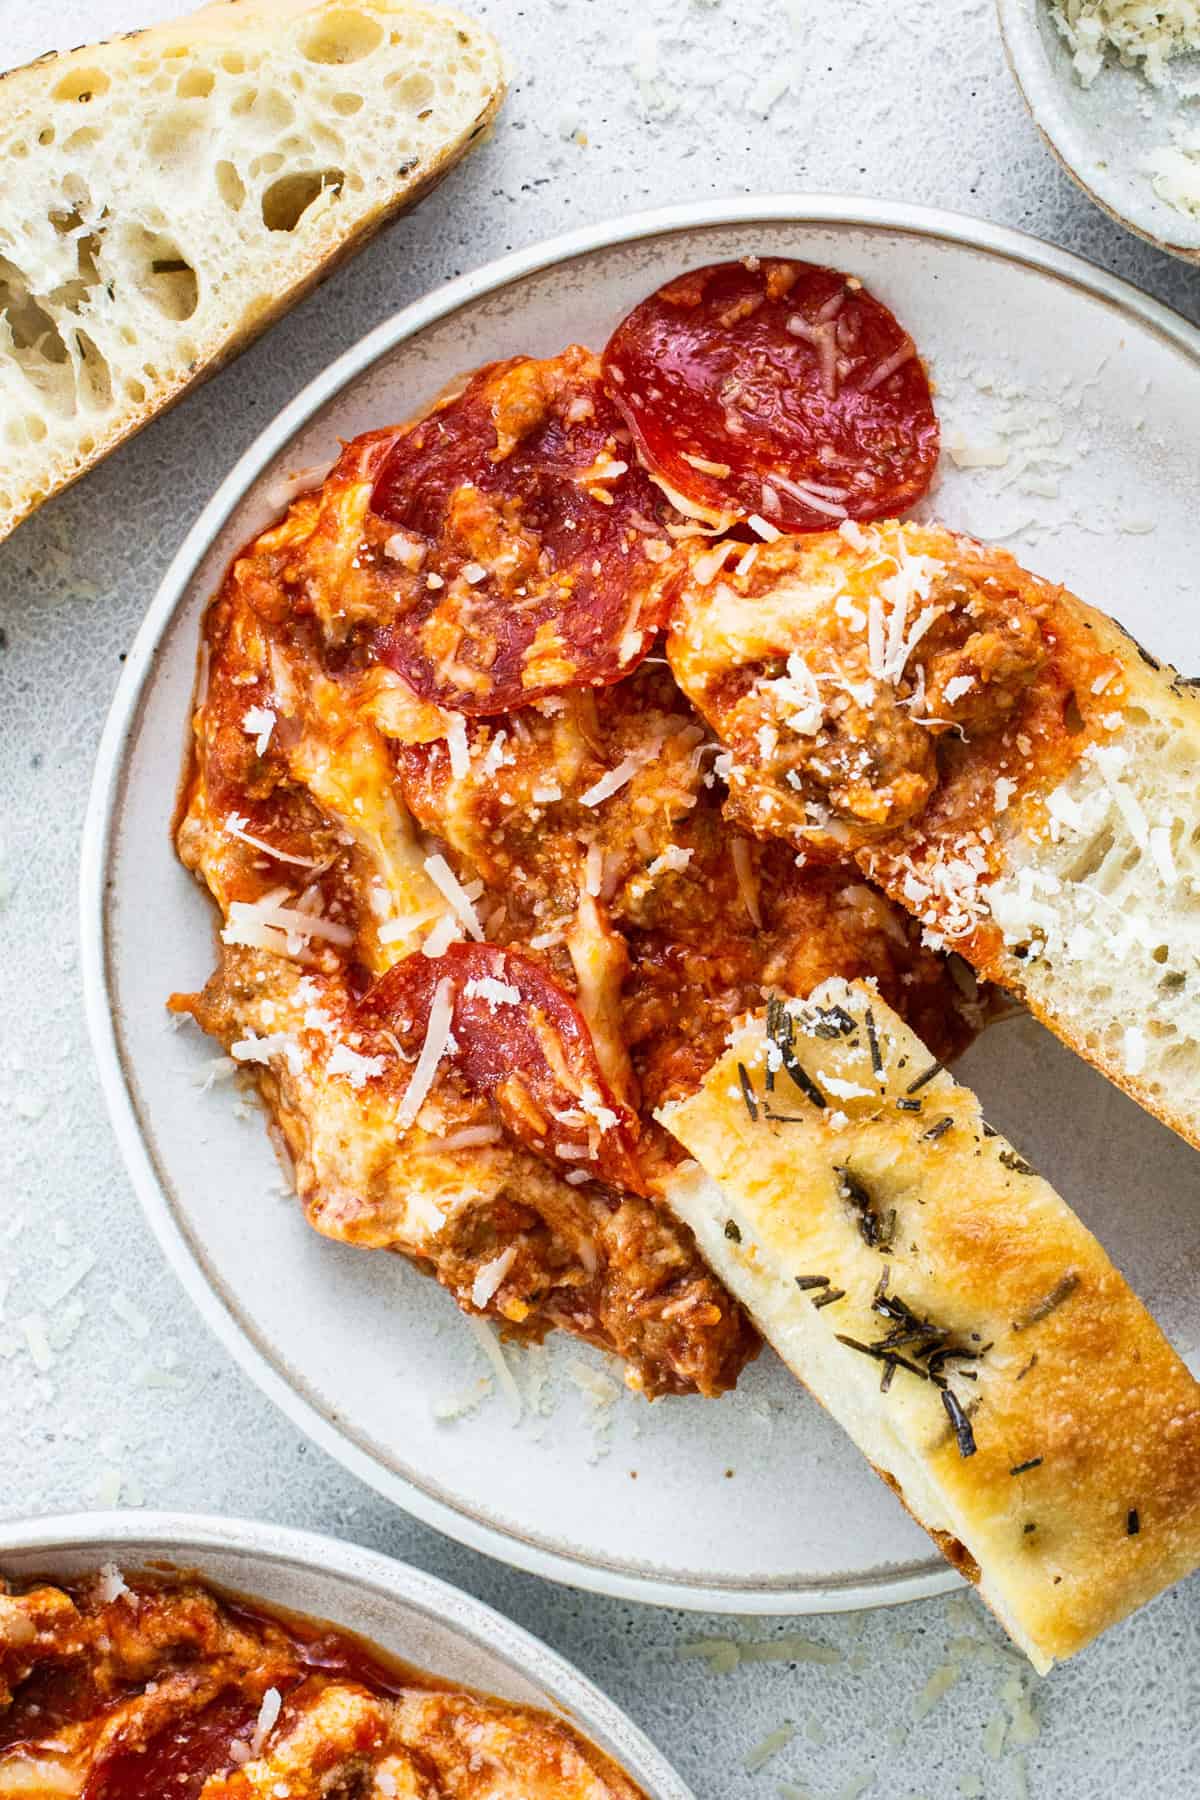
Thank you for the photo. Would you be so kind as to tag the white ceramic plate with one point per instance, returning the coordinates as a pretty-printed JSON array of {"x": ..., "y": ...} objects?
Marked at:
[
  {"x": 755, "y": 1502},
  {"x": 1102, "y": 134},
  {"x": 424, "y": 1621}
]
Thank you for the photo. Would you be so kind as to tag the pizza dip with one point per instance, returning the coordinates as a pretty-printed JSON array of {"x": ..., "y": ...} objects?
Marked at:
[
  {"x": 494, "y": 882},
  {"x": 115, "y": 1689}
]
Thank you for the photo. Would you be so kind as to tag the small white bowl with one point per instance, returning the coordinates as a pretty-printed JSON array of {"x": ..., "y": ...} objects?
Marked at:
[
  {"x": 416, "y": 1617},
  {"x": 1101, "y": 134}
]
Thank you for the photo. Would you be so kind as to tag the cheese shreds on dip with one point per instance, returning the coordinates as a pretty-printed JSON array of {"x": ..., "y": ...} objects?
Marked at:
[{"x": 1149, "y": 32}]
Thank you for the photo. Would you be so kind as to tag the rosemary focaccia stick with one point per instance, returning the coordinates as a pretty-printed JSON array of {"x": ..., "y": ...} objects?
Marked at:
[{"x": 951, "y": 1312}]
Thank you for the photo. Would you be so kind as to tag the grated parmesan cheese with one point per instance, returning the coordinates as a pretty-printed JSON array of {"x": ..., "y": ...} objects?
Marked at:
[
  {"x": 713, "y": 561},
  {"x": 123, "y": 1308},
  {"x": 470, "y": 1137},
  {"x": 111, "y": 1584},
  {"x": 496, "y": 993},
  {"x": 938, "y": 1685},
  {"x": 762, "y": 1752},
  {"x": 458, "y": 747},
  {"x": 268, "y": 1716},
  {"x": 490, "y": 1277},
  {"x": 255, "y": 1049},
  {"x": 235, "y": 825},
  {"x": 437, "y": 1038},
  {"x": 266, "y": 925},
  {"x": 356, "y": 1068},
  {"x": 615, "y": 779},
  {"x": 489, "y": 1343},
  {"x": 448, "y": 885},
  {"x": 976, "y": 456},
  {"x": 259, "y": 722},
  {"x": 446, "y": 932},
  {"x": 395, "y": 931},
  {"x": 55, "y": 1291},
  {"x": 672, "y": 861},
  {"x": 797, "y": 693},
  {"x": 403, "y": 548},
  {"x": 1174, "y": 171},
  {"x": 1149, "y": 32}
]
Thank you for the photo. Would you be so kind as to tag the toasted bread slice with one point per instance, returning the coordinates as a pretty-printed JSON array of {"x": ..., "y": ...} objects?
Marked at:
[
  {"x": 1002, "y": 759},
  {"x": 169, "y": 193},
  {"x": 946, "y": 1306}
]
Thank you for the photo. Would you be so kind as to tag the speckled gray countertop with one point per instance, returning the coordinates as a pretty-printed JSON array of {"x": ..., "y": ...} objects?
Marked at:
[{"x": 617, "y": 105}]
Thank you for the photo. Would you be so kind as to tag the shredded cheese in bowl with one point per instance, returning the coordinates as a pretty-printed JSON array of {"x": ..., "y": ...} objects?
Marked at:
[{"x": 1149, "y": 32}]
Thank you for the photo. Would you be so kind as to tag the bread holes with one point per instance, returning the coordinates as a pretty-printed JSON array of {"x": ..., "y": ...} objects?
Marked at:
[
  {"x": 233, "y": 62},
  {"x": 82, "y": 85},
  {"x": 230, "y": 186},
  {"x": 29, "y": 430},
  {"x": 46, "y": 135},
  {"x": 317, "y": 143},
  {"x": 347, "y": 104},
  {"x": 266, "y": 111},
  {"x": 75, "y": 293},
  {"x": 161, "y": 273},
  {"x": 195, "y": 84},
  {"x": 341, "y": 37},
  {"x": 84, "y": 139},
  {"x": 135, "y": 390},
  {"x": 95, "y": 377},
  {"x": 36, "y": 344},
  {"x": 177, "y": 140},
  {"x": 414, "y": 91},
  {"x": 287, "y": 200}
]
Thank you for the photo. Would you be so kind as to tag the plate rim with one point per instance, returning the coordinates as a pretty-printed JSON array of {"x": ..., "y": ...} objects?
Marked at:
[
  {"x": 182, "y": 1534},
  {"x": 769, "y": 1597},
  {"x": 1020, "y": 35}
]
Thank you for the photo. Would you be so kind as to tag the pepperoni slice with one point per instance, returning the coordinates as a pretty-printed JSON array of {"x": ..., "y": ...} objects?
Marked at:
[
  {"x": 179, "y": 1758},
  {"x": 777, "y": 388},
  {"x": 519, "y": 1038},
  {"x": 520, "y": 566}
]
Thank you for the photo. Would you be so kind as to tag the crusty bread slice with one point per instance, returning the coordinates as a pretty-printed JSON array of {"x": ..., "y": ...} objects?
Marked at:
[
  {"x": 1058, "y": 846},
  {"x": 1025, "y": 1406},
  {"x": 169, "y": 193},
  {"x": 1098, "y": 899}
]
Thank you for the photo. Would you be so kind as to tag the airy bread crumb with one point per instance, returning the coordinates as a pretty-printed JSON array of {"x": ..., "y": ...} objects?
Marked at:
[{"x": 172, "y": 191}]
